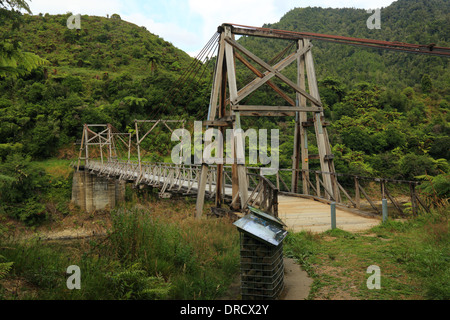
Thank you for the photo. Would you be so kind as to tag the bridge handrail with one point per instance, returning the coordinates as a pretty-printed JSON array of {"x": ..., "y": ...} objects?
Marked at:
[{"x": 313, "y": 189}]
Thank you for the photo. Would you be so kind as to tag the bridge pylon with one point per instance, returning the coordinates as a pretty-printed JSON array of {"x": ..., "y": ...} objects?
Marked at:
[{"x": 227, "y": 106}]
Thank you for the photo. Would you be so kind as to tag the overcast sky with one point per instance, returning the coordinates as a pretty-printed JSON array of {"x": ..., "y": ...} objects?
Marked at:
[{"x": 189, "y": 24}]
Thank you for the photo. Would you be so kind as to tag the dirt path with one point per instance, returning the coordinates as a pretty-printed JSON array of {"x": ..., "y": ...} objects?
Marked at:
[{"x": 297, "y": 284}]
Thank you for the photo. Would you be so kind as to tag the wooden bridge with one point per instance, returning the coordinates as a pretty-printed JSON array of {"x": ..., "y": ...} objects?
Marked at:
[
  {"x": 271, "y": 194},
  {"x": 298, "y": 195}
]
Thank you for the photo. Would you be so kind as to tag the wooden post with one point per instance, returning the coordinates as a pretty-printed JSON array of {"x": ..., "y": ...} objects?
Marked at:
[
  {"x": 129, "y": 146},
  {"x": 86, "y": 152},
  {"x": 239, "y": 141},
  {"x": 321, "y": 136},
  {"x": 303, "y": 117},
  {"x": 81, "y": 150},
  {"x": 138, "y": 142},
  {"x": 413, "y": 198},
  {"x": 357, "y": 194},
  {"x": 317, "y": 183},
  {"x": 216, "y": 90}
]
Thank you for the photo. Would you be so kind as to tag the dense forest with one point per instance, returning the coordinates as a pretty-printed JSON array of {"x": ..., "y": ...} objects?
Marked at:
[
  {"x": 387, "y": 114},
  {"x": 388, "y": 111}
]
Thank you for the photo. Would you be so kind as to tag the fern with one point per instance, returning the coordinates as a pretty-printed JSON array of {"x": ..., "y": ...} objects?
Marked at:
[
  {"x": 5, "y": 268},
  {"x": 134, "y": 283},
  {"x": 15, "y": 62}
]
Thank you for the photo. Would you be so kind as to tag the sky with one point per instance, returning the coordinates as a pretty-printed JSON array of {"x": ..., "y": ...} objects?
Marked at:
[{"x": 189, "y": 24}]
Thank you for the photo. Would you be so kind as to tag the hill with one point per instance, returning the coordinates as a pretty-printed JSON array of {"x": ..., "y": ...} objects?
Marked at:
[
  {"x": 110, "y": 71},
  {"x": 410, "y": 21},
  {"x": 388, "y": 110}
]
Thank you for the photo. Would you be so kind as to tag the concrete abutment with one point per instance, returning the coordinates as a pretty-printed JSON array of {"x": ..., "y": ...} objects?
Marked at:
[{"x": 91, "y": 192}]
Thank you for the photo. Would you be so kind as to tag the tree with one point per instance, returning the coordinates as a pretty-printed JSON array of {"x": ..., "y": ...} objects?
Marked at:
[
  {"x": 426, "y": 83},
  {"x": 14, "y": 4},
  {"x": 13, "y": 60},
  {"x": 153, "y": 60}
]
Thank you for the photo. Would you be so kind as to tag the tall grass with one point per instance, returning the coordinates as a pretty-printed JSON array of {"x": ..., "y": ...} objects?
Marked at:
[
  {"x": 149, "y": 253},
  {"x": 199, "y": 258}
]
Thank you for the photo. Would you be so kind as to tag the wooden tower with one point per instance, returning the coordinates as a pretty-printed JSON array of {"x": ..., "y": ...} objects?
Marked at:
[{"x": 227, "y": 107}]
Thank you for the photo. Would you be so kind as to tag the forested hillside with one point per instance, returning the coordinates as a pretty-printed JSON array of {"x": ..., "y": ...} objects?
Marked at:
[
  {"x": 109, "y": 71},
  {"x": 388, "y": 110}
]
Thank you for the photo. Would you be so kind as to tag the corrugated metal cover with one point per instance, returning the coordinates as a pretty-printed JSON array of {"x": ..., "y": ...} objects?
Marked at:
[
  {"x": 268, "y": 230},
  {"x": 266, "y": 216}
]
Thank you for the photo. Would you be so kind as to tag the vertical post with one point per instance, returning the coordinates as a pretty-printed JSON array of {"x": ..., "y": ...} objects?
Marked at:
[
  {"x": 303, "y": 118},
  {"x": 383, "y": 187},
  {"x": 326, "y": 163},
  {"x": 110, "y": 155},
  {"x": 138, "y": 142},
  {"x": 129, "y": 147},
  {"x": 384, "y": 209},
  {"x": 216, "y": 89},
  {"x": 357, "y": 194},
  {"x": 333, "y": 215},
  {"x": 239, "y": 139},
  {"x": 296, "y": 153},
  {"x": 101, "y": 147},
  {"x": 413, "y": 198},
  {"x": 81, "y": 151},
  {"x": 86, "y": 152},
  {"x": 317, "y": 183}
]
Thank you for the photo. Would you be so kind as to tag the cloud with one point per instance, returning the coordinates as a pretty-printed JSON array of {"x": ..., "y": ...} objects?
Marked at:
[
  {"x": 248, "y": 12},
  {"x": 98, "y": 7},
  {"x": 177, "y": 35},
  {"x": 189, "y": 24}
]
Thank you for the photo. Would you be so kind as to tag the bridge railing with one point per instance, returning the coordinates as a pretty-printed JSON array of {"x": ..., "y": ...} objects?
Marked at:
[
  {"x": 264, "y": 195},
  {"x": 359, "y": 192}
]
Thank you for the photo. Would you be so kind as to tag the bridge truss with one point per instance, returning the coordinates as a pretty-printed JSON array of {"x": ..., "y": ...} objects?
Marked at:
[{"x": 228, "y": 104}]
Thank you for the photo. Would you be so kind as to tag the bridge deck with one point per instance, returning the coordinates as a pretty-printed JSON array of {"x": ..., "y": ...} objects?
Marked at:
[
  {"x": 305, "y": 214},
  {"x": 296, "y": 212}
]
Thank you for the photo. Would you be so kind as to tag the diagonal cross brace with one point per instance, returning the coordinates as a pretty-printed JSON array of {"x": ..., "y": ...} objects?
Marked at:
[{"x": 272, "y": 72}]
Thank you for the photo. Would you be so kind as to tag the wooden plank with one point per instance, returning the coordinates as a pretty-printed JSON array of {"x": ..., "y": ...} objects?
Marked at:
[
  {"x": 368, "y": 199},
  {"x": 275, "y": 108},
  {"x": 266, "y": 114},
  {"x": 239, "y": 147},
  {"x": 357, "y": 195},
  {"x": 395, "y": 203},
  {"x": 346, "y": 194}
]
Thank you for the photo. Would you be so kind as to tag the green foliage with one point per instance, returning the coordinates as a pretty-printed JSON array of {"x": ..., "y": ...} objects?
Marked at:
[
  {"x": 112, "y": 71},
  {"x": 436, "y": 187},
  {"x": 426, "y": 84},
  {"x": 195, "y": 262},
  {"x": 21, "y": 183},
  {"x": 5, "y": 267},
  {"x": 134, "y": 283}
]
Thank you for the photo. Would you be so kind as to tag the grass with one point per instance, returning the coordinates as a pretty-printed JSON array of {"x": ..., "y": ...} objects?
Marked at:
[
  {"x": 413, "y": 257},
  {"x": 154, "y": 250}
]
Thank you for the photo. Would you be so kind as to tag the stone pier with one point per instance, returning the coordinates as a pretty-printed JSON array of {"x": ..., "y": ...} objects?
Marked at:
[{"x": 92, "y": 193}]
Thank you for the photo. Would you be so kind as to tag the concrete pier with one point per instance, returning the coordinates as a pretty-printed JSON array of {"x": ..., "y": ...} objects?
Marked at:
[{"x": 92, "y": 193}]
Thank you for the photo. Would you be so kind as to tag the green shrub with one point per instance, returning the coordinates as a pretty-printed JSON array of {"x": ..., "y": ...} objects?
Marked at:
[{"x": 133, "y": 283}]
